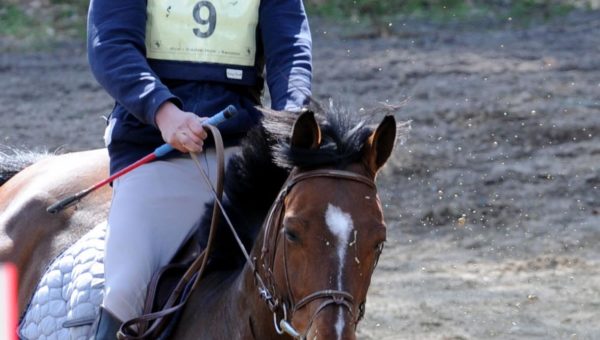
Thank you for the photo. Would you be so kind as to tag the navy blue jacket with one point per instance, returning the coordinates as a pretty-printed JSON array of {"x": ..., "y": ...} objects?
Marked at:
[{"x": 117, "y": 56}]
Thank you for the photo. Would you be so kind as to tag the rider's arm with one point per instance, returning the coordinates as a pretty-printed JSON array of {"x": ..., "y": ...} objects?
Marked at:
[
  {"x": 287, "y": 44},
  {"x": 116, "y": 52}
]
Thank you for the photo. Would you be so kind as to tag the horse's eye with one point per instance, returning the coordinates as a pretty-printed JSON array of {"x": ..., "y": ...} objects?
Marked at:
[{"x": 290, "y": 235}]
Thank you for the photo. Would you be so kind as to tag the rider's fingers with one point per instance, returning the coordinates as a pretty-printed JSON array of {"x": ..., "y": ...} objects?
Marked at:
[
  {"x": 185, "y": 142},
  {"x": 194, "y": 138},
  {"x": 196, "y": 127}
]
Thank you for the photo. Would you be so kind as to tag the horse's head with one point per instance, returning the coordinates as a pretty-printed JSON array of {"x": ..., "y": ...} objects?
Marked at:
[{"x": 325, "y": 233}]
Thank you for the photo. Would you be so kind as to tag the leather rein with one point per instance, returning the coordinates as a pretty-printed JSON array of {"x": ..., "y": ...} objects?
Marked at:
[{"x": 189, "y": 281}]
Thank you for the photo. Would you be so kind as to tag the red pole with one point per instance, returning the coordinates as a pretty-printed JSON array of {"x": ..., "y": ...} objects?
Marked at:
[{"x": 8, "y": 301}]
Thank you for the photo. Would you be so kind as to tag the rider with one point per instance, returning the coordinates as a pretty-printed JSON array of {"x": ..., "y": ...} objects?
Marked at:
[{"x": 168, "y": 65}]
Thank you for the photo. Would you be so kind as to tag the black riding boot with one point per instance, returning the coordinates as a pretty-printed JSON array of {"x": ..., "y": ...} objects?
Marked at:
[{"x": 108, "y": 326}]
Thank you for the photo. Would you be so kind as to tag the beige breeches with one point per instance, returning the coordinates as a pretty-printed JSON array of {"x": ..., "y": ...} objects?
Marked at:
[{"x": 154, "y": 208}]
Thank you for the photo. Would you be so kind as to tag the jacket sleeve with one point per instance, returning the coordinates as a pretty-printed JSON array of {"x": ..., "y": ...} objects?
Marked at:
[
  {"x": 117, "y": 57},
  {"x": 288, "y": 58}
]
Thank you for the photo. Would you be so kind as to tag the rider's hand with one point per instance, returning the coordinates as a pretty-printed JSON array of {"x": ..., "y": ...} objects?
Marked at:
[{"x": 182, "y": 130}]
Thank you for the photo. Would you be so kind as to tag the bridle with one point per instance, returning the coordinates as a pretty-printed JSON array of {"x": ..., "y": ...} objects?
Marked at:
[
  {"x": 262, "y": 268},
  {"x": 265, "y": 282}
]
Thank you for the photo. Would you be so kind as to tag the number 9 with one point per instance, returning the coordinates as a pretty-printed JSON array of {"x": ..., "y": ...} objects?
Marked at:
[{"x": 211, "y": 21}]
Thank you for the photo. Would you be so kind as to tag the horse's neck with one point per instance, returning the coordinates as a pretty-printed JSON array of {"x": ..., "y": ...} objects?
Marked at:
[
  {"x": 226, "y": 305},
  {"x": 239, "y": 310},
  {"x": 258, "y": 316}
]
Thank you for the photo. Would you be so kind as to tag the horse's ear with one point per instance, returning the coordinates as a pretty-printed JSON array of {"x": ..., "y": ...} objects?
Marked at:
[
  {"x": 380, "y": 144},
  {"x": 306, "y": 133}
]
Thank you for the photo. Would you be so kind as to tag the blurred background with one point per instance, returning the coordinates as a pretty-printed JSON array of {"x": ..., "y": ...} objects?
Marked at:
[
  {"x": 37, "y": 23},
  {"x": 492, "y": 202}
]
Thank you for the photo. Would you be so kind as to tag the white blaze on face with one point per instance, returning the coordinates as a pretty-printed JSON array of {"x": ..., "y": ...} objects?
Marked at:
[{"x": 341, "y": 226}]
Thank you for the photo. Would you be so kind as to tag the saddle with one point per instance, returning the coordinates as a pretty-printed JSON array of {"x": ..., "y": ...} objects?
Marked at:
[
  {"x": 165, "y": 280},
  {"x": 163, "y": 284}
]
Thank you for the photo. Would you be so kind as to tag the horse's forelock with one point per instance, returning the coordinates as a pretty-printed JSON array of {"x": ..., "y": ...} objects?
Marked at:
[{"x": 343, "y": 136}]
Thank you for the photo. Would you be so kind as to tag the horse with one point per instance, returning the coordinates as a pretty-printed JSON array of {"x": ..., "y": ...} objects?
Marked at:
[{"x": 301, "y": 196}]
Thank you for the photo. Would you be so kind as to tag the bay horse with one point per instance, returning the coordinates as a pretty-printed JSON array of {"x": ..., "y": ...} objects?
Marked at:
[{"x": 302, "y": 197}]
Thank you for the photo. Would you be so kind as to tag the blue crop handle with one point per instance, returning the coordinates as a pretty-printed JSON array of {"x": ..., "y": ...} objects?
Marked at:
[{"x": 215, "y": 120}]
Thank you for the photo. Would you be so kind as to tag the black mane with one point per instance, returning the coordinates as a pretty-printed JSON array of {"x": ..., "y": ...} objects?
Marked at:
[
  {"x": 252, "y": 181},
  {"x": 253, "y": 178}
]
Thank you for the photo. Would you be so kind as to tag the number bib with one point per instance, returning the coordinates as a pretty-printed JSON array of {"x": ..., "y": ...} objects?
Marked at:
[{"x": 211, "y": 31}]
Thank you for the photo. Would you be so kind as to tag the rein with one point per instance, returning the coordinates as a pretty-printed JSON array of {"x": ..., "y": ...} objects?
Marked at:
[{"x": 195, "y": 271}]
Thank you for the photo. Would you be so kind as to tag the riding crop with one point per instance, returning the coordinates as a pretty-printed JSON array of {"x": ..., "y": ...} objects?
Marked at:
[{"x": 161, "y": 151}]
